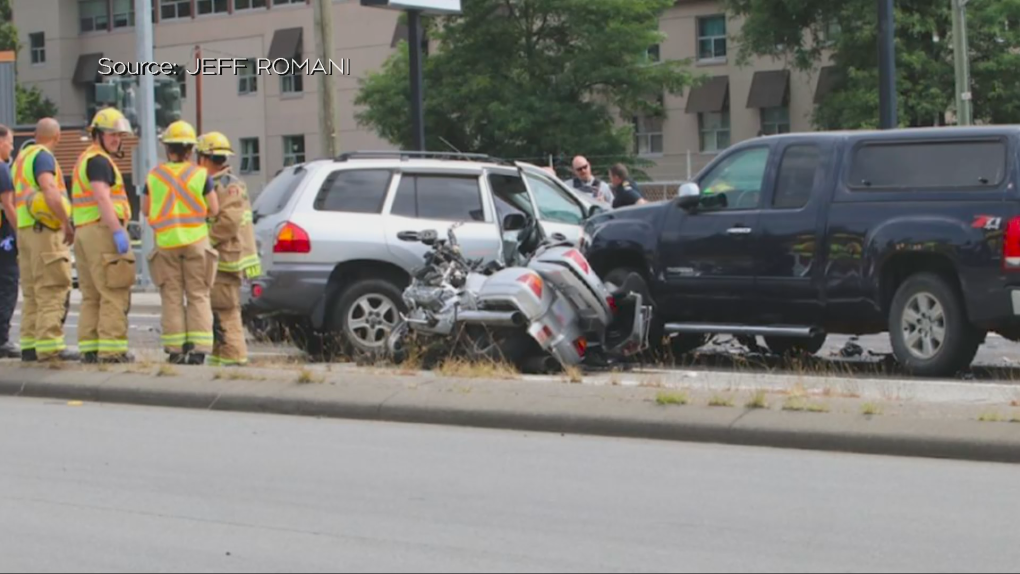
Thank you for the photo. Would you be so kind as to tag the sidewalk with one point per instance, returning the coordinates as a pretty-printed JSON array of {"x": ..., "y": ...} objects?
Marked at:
[{"x": 780, "y": 413}]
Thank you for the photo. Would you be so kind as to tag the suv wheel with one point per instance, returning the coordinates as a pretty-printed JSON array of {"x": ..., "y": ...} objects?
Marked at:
[
  {"x": 928, "y": 326},
  {"x": 367, "y": 313}
]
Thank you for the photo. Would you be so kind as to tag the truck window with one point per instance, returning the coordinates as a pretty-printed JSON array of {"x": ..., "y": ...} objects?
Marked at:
[
  {"x": 736, "y": 182},
  {"x": 928, "y": 165},
  {"x": 796, "y": 177},
  {"x": 354, "y": 191}
]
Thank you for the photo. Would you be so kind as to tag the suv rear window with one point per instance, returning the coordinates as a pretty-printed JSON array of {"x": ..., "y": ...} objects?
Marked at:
[
  {"x": 277, "y": 194},
  {"x": 929, "y": 165},
  {"x": 354, "y": 191}
]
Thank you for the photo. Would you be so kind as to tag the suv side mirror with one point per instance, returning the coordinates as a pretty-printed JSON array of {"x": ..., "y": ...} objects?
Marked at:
[
  {"x": 689, "y": 195},
  {"x": 514, "y": 222}
]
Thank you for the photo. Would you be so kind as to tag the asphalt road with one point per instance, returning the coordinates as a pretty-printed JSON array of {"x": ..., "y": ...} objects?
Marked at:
[{"x": 110, "y": 488}]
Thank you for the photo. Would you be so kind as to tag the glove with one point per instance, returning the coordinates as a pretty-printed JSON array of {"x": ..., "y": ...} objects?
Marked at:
[{"x": 123, "y": 243}]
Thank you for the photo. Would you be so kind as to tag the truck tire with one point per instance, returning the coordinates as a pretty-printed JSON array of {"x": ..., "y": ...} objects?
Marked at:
[
  {"x": 365, "y": 314},
  {"x": 929, "y": 329},
  {"x": 784, "y": 346}
]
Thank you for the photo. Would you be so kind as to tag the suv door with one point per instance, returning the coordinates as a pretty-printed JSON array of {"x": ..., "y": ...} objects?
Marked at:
[
  {"x": 707, "y": 254},
  {"x": 429, "y": 200},
  {"x": 557, "y": 209}
]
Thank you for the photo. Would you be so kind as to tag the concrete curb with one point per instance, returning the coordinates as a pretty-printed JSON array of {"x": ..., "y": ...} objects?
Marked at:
[{"x": 525, "y": 406}]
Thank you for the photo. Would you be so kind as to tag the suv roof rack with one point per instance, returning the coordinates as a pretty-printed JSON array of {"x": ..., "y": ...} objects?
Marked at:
[{"x": 407, "y": 155}]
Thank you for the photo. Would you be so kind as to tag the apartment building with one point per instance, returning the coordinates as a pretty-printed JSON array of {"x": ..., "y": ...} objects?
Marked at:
[{"x": 273, "y": 120}]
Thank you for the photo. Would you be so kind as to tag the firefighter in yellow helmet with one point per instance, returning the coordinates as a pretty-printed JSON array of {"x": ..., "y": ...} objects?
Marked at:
[
  {"x": 233, "y": 236},
  {"x": 45, "y": 235},
  {"x": 106, "y": 264},
  {"x": 179, "y": 199}
]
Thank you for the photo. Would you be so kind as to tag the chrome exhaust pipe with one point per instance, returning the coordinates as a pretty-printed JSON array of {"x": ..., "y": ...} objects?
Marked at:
[{"x": 493, "y": 318}]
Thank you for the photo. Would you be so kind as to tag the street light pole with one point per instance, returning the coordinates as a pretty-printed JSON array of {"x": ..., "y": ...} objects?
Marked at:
[
  {"x": 417, "y": 97},
  {"x": 146, "y": 151},
  {"x": 887, "y": 65},
  {"x": 961, "y": 57}
]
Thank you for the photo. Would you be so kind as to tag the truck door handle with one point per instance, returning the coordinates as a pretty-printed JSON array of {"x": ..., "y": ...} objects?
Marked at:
[{"x": 739, "y": 230}]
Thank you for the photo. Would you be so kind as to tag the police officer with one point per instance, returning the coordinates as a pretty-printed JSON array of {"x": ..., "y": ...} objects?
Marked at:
[
  {"x": 233, "y": 237},
  {"x": 44, "y": 239},
  {"x": 106, "y": 264},
  {"x": 586, "y": 182},
  {"x": 8, "y": 247},
  {"x": 178, "y": 201},
  {"x": 625, "y": 191}
]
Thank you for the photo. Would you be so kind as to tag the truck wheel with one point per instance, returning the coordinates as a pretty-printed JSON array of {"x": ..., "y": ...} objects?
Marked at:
[
  {"x": 928, "y": 326},
  {"x": 655, "y": 332},
  {"x": 366, "y": 314},
  {"x": 784, "y": 346}
]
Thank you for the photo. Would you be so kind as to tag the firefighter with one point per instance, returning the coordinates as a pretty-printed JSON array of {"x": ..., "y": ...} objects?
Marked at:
[
  {"x": 233, "y": 236},
  {"x": 106, "y": 263},
  {"x": 44, "y": 239},
  {"x": 178, "y": 202}
]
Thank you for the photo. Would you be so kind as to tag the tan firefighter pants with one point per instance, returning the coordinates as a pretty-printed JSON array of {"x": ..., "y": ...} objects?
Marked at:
[
  {"x": 45, "y": 265},
  {"x": 105, "y": 278},
  {"x": 229, "y": 348},
  {"x": 186, "y": 273}
]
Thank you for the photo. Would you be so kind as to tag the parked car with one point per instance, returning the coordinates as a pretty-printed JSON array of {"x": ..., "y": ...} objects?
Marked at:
[
  {"x": 793, "y": 237},
  {"x": 327, "y": 235}
]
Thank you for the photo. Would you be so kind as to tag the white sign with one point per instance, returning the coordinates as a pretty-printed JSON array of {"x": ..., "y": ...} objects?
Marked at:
[{"x": 425, "y": 6}]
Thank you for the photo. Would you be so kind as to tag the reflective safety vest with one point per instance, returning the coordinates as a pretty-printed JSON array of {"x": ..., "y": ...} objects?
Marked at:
[
  {"x": 85, "y": 206},
  {"x": 25, "y": 183},
  {"x": 178, "y": 210}
]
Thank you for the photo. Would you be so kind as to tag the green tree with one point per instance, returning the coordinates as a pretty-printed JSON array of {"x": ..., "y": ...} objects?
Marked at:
[
  {"x": 30, "y": 103},
  {"x": 801, "y": 32},
  {"x": 529, "y": 78},
  {"x": 8, "y": 33}
]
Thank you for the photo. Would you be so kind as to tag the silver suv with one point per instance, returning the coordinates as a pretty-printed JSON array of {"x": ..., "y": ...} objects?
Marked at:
[{"x": 327, "y": 232}]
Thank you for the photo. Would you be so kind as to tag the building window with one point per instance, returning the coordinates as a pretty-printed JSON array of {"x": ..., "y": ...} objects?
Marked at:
[
  {"x": 284, "y": 2},
  {"x": 712, "y": 38},
  {"x": 248, "y": 5},
  {"x": 212, "y": 7},
  {"x": 37, "y": 42},
  {"x": 174, "y": 9},
  {"x": 647, "y": 136},
  {"x": 123, "y": 13},
  {"x": 775, "y": 121},
  {"x": 247, "y": 80},
  {"x": 293, "y": 83},
  {"x": 293, "y": 150},
  {"x": 182, "y": 81},
  {"x": 92, "y": 16},
  {"x": 250, "y": 161},
  {"x": 715, "y": 131}
]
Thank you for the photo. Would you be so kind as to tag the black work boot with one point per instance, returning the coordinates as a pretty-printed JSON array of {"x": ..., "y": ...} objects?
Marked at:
[
  {"x": 177, "y": 359},
  {"x": 196, "y": 359},
  {"x": 29, "y": 356},
  {"x": 124, "y": 359},
  {"x": 90, "y": 358}
]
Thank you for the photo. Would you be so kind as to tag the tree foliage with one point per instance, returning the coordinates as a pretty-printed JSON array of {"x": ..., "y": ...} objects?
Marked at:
[
  {"x": 31, "y": 104},
  {"x": 529, "y": 78},
  {"x": 797, "y": 31}
]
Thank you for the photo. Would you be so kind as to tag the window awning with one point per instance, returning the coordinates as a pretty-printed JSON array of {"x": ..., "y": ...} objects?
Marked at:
[
  {"x": 710, "y": 97},
  {"x": 87, "y": 69},
  {"x": 769, "y": 89},
  {"x": 287, "y": 44},
  {"x": 828, "y": 80}
]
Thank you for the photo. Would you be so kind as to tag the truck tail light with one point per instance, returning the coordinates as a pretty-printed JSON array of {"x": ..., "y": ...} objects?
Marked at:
[
  {"x": 533, "y": 281},
  {"x": 1011, "y": 246},
  {"x": 292, "y": 239}
]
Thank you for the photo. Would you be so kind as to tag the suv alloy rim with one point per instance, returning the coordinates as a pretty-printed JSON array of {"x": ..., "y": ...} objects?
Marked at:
[
  {"x": 371, "y": 319},
  {"x": 924, "y": 325}
]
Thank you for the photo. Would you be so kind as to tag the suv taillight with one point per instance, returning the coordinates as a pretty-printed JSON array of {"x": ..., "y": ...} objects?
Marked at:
[{"x": 292, "y": 239}]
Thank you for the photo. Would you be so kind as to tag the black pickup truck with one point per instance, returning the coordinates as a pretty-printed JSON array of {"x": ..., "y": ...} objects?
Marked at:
[{"x": 794, "y": 237}]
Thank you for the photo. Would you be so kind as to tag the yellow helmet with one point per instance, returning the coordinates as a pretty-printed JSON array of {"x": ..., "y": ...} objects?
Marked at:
[
  {"x": 112, "y": 121},
  {"x": 214, "y": 143},
  {"x": 41, "y": 212},
  {"x": 180, "y": 132}
]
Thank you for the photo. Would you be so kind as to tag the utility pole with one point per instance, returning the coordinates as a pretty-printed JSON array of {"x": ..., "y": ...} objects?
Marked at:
[
  {"x": 328, "y": 120},
  {"x": 961, "y": 56},
  {"x": 887, "y": 64},
  {"x": 198, "y": 93},
  {"x": 417, "y": 96},
  {"x": 146, "y": 151}
]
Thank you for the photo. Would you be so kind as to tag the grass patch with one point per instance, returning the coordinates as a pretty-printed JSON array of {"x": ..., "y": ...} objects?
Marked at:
[
  {"x": 166, "y": 371},
  {"x": 990, "y": 418},
  {"x": 665, "y": 399},
  {"x": 573, "y": 374},
  {"x": 652, "y": 384},
  {"x": 759, "y": 400},
  {"x": 464, "y": 369},
  {"x": 720, "y": 401},
  {"x": 871, "y": 409},
  {"x": 306, "y": 377},
  {"x": 236, "y": 376},
  {"x": 799, "y": 404}
]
